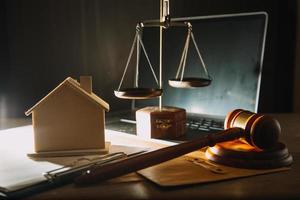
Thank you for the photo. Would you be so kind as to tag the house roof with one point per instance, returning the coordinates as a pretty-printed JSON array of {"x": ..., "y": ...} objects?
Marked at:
[{"x": 72, "y": 83}]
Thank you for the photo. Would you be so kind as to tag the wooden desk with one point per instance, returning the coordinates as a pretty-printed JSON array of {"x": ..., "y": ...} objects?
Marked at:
[{"x": 283, "y": 185}]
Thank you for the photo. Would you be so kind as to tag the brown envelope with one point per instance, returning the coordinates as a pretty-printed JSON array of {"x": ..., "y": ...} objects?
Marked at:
[{"x": 180, "y": 171}]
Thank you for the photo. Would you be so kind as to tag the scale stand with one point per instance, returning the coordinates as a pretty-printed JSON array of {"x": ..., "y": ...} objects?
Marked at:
[{"x": 161, "y": 122}]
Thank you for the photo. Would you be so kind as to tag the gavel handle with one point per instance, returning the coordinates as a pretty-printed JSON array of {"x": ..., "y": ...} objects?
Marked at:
[{"x": 155, "y": 157}]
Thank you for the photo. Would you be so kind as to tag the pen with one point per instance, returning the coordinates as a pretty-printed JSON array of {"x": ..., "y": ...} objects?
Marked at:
[{"x": 71, "y": 171}]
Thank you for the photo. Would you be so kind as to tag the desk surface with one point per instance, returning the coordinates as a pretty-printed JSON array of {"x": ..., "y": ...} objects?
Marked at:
[{"x": 283, "y": 185}]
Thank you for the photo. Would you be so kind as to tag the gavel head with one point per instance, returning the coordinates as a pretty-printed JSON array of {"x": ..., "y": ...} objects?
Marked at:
[{"x": 261, "y": 131}]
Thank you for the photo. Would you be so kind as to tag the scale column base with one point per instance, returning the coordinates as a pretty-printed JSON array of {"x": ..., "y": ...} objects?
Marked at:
[{"x": 164, "y": 123}]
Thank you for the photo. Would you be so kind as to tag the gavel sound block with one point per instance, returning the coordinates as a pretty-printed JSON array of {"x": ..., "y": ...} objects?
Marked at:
[
  {"x": 260, "y": 131},
  {"x": 265, "y": 153}
]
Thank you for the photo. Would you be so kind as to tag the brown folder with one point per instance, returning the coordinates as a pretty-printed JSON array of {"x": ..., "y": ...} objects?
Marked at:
[{"x": 181, "y": 171}]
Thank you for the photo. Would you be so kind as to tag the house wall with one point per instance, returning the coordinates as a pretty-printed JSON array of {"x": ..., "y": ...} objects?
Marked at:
[
  {"x": 43, "y": 42},
  {"x": 68, "y": 121}
]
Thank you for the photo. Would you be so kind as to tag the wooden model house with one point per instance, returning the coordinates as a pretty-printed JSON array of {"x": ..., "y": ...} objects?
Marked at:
[{"x": 69, "y": 118}]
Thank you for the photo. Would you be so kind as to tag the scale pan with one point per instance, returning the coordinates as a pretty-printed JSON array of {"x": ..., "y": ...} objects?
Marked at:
[
  {"x": 138, "y": 93},
  {"x": 189, "y": 82}
]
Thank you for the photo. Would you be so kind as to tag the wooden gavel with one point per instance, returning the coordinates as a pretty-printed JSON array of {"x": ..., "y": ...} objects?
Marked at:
[{"x": 260, "y": 131}]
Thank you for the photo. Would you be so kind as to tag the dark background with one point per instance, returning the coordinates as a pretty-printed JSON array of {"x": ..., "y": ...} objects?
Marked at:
[{"x": 44, "y": 41}]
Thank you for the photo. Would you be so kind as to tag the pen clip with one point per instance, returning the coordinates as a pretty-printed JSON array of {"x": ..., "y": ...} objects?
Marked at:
[{"x": 72, "y": 168}]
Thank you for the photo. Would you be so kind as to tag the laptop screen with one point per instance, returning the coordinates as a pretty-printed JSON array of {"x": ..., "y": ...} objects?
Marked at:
[{"x": 232, "y": 48}]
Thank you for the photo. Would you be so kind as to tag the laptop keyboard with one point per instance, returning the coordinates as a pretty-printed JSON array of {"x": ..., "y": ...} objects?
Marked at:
[
  {"x": 195, "y": 126},
  {"x": 203, "y": 124}
]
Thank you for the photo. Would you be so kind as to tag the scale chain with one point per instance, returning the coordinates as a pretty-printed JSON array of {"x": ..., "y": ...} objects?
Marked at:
[
  {"x": 199, "y": 54},
  {"x": 185, "y": 56},
  {"x": 182, "y": 57},
  {"x": 136, "y": 84},
  {"x": 142, "y": 45},
  {"x": 128, "y": 60}
]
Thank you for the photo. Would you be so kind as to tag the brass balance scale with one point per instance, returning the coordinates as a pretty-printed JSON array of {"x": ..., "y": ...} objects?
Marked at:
[
  {"x": 180, "y": 81},
  {"x": 162, "y": 121}
]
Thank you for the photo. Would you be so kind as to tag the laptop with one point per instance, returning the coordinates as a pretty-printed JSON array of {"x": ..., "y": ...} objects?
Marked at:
[{"x": 232, "y": 47}]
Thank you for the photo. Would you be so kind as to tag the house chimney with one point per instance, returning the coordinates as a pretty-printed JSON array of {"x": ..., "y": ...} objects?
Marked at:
[{"x": 86, "y": 83}]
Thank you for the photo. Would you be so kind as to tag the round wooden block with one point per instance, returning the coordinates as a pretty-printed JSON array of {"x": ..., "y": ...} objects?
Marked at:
[{"x": 239, "y": 154}]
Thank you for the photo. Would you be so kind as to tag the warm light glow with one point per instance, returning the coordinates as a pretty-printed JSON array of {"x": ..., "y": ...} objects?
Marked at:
[{"x": 238, "y": 145}]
